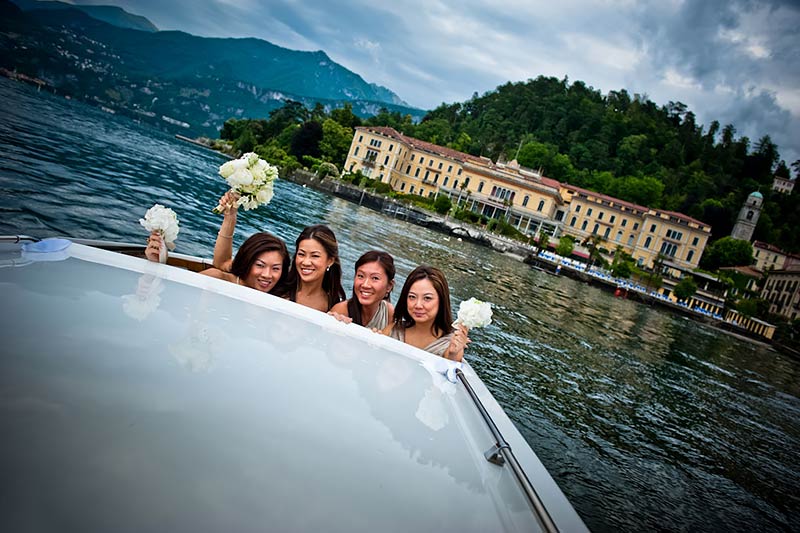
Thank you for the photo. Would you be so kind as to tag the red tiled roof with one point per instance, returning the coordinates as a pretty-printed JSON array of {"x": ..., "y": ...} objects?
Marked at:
[
  {"x": 767, "y": 246},
  {"x": 423, "y": 145},
  {"x": 606, "y": 197}
]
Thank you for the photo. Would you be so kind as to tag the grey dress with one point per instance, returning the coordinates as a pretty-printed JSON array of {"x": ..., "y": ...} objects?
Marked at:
[
  {"x": 381, "y": 318},
  {"x": 437, "y": 347}
]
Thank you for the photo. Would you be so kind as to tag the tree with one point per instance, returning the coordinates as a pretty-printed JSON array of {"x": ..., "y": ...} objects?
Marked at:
[
  {"x": 685, "y": 288},
  {"x": 306, "y": 140},
  {"x": 544, "y": 239},
  {"x": 327, "y": 169},
  {"x": 566, "y": 244},
  {"x": 727, "y": 252},
  {"x": 335, "y": 142},
  {"x": 442, "y": 204}
]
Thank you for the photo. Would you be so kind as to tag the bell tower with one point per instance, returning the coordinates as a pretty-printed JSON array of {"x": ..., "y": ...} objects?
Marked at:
[{"x": 748, "y": 217}]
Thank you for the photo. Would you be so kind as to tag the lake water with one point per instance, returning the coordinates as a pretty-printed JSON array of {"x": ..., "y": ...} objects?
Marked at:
[{"x": 647, "y": 421}]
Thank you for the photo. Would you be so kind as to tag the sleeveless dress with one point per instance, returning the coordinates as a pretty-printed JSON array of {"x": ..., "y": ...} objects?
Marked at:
[
  {"x": 381, "y": 318},
  {"x": 437, "y": 347}
]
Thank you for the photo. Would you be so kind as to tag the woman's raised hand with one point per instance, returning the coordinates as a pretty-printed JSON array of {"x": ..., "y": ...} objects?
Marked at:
[
  {"x": 459, "y": 341},
  {"x": 154, "y": 244},
  {"x": 228, "y": 202}
]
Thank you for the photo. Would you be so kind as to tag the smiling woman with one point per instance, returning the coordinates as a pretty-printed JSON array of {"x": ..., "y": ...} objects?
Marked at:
[
  {"x": 373, "y": 283},
  {"x": 315, "y": 279}
]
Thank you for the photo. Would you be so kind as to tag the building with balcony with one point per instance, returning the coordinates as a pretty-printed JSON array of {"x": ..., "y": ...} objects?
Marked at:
[
  {"x": 782, "y": 291},
  {"x": 529, "y": 201}
]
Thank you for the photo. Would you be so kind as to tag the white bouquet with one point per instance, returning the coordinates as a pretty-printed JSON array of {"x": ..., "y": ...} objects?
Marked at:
[
  {"x": 474, "y": 313},
  {"x": 165, "y": 222},
  {"x": 251, "y": 178}
]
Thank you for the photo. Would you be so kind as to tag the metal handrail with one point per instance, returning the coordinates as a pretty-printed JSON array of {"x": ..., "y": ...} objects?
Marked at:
[{"x": 501, "y": 453}]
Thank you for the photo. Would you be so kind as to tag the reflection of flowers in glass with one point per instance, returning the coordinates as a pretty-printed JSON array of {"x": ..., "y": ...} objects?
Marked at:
[
  {"x": 431, "y": 410},
  {"x": 146, "y": 300},
  {"x": 474, "y": 313},
  {"x": 196, "y": 350},
  {"x": 251, "y": 178},
  {"x": 164, "y": 221}
]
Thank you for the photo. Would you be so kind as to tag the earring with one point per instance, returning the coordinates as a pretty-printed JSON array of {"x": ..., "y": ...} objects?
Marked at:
[{"x": 328, "y": 269}]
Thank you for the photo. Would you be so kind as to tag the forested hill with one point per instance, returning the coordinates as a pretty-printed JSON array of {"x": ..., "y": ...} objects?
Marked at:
[{"x": 622, "y": 145}]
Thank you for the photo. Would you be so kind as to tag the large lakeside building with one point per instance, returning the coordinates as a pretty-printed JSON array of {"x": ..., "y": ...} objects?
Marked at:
[{"x": 529, "y": 201}]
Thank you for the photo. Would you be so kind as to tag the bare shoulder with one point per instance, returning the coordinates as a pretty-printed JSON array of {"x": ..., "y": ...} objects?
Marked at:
[
  {"x": 390, "y": 312},
  {"x": 218, "y": 274},
  {"x": 340, "y": 308}
]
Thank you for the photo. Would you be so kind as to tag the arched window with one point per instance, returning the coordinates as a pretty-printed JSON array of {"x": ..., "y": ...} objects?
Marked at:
[
  {"x": 647, "y": 242},
  {"x": 525, "y": 200},
  {"x": 749, "y": 215}
]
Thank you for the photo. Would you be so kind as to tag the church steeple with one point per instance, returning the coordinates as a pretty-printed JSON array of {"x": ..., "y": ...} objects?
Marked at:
[{"x": 748, "y": 217}]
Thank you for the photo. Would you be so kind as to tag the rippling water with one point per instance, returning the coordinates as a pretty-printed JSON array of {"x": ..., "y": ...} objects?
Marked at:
[{"x": 648, "y": 421}]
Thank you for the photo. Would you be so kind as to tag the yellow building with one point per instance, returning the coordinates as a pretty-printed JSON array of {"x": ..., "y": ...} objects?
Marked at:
[{"x": 531, "y": 202}]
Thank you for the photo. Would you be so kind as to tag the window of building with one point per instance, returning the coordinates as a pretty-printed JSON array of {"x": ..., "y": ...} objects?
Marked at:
[
  {"x": 416, "y": 173},
  {"x": 440, "y": 165},
  {"x": 653, "y": 228},
  {"x": 446, "y": 179},
  {"x": 630, "y": 239},
  {"x": 466, "y": 181},
  {"x": 455, "y": 184},
  {"x": 595, "y": 228},
  {"x": 559, "y": 216},
  {"x": 421, "y": 160},
  {"x": 619, "y": 236},
  {"x": 411, "y": 190},
  {"x": 525, "y": 201},
  {"x": 690, "y": 255},
  {"x": 480, "y": 187},
  {"x": 356, "y": 152},
  {"x": 647, "y": 242},
  {"x": 421, "y": 191},
  {"x": 572, "y": 222},
  {"x": 749, "y": 215},
  {"x": 583, "y": 226},
  {"x": 436, "y": 178},
  {"x": 695, "y": 241},
  {"x": 589, "y": 212},
  {"x": 386, "y": 160},
  {"x": 541, "y": 205},
  {"x": 635, "y": 226},
  {"x": 669, "y": 248},
  {"x": 578, "y": 209},
  {"x": 412, "y": 156},
  {"x": 360, "y": 138},
  {"x": 403, "y": 186},
  {"x": 624, "y": 222},
  {"x": 600, "y": 215},
  {"x": 607, "y": 233},
  {"x": 450, "y": 168},
  {"x": 757, "y": 251},
  {"x": 612, "y": 219},
  {"x": 459, "y": 171},
  {"x": 427, "y": 174},
  {"x": 408, "y": 169}
]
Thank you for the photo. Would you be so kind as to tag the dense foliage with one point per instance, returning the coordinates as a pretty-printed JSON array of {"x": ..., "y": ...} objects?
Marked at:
[{"x": 622, "y": 145}]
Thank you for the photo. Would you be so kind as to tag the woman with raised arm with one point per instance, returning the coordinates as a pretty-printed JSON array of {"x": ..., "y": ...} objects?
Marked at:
[
  {"x": 315, "y": 279},
  {"x": 262, "y": 262},
  {"x": 373, "y": 283},
  {"x": 423, "y": 317}
]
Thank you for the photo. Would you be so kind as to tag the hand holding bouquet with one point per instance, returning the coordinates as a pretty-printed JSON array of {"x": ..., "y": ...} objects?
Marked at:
[
  {"x": 251, "y": 179},
  {"x": 163, "y": 221}
]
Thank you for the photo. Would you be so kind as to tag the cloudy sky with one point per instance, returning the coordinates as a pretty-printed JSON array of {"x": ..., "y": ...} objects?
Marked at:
[{"x": 735, "y": 61}]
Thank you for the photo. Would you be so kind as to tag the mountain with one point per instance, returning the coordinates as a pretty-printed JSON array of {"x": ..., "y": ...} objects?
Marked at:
[
  {"x": 110, "y": 14},
  {"x": 173, "y": 79}
]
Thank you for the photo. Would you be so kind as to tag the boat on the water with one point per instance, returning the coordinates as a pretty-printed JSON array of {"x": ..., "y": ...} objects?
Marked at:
[{"x": 137, "y": 396}]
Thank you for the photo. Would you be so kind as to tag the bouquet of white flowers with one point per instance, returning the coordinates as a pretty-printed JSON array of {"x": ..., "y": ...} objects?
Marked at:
[
  {"x": 474, "y": 313},
  {"x": 251, "y": 178},
  {"x": 165, "y": 222}
]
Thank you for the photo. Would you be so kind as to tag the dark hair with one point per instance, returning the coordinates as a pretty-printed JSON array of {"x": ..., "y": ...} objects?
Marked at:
[
  {"x": 443, "y": 324},
  {"x": 332, "y": 279},
  {"x": 252, "y": 248},
  {"x": 373, "y": 256}
]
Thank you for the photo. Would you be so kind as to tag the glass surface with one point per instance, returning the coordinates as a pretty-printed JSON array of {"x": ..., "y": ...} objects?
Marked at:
[{"x": 133, "y": 402}]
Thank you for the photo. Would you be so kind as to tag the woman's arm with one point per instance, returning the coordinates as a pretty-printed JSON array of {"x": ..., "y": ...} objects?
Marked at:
[
  {"x": 339, "y": 312},
  {"x": 459, "y": 341},
  {"x": 223, "y": 247}
]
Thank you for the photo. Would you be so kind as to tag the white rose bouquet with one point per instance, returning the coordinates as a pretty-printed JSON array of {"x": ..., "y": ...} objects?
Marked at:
[
  {"x": 474, "y": 313},
  {"x": 251, "y": 178},
  {"x": 165, "y": 222}
]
